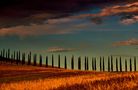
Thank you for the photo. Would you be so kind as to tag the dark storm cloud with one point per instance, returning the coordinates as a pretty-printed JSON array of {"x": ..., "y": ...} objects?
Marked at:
[
  {"x": 23, "y": 8},
  {"x": 25, "y": 13}
]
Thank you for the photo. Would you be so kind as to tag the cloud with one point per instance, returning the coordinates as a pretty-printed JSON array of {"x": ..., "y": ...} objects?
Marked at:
[
  {"x": 59, "y": 49},
  {"x": 117, "y": 9},
  {"x": 129, "y": 42},
  {"x": 41, "y": 18},
  {"x": 128, "y": 21},
  {"x": 59, "y": 21},
  {"x": 113, "y": 10},
  {"x": 106, "y": 11},
  {"x": 43, "y": 23},
  {"x": 45, "y": 17},
  {"x": 42, "y": 29},
  {"x": 31, "y": 30}
]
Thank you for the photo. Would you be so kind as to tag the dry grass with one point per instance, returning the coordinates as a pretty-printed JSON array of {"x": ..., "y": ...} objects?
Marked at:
[{"x": 36, "y": 78}]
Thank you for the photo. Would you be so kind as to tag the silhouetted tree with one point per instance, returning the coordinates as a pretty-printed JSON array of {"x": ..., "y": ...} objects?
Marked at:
[
  {"x": 95, "y": 64},
  {"x": 6, "y": 57},
  {"x": 126, "y": 65},
  {"x": 46, "y": 61},
  {"x": 130, "y": 65},
  {"x": 52, "y": 60},
  {"x": 72, "y": 62},
  {"x": 58, "y": 61},
  {"x": 0, "y": 56},
  {"x": 92, "y": 63},
  {"x": 11, "y": 59},
  {"x": 85, "y": 63},
  {"x": 23, "y": 58},
  {"x": 17, "y": 56},
  {"x": 3, "y": 53},
  {"x": 103, "y": 65},
  {"x": 120, "y": 64},
  {"x": 100, "y": 63},
  {"x": 65, "y": 62},
  {"x": 35, "y": 58},
  {"x": 0, "y": 53},
  {"x": 116, "y": 64},
  {"x": 112, "y": 63},
  {"x": 135, "y": 63},
  {"x": 40, "y": 63},
  {"x": 79, "y": 63},
  {"x": 14, "y": 55},
  {"x": 29, "y": 58},
  {"x": 8, "y": 54},
  {"x": 108, "y": 64}
]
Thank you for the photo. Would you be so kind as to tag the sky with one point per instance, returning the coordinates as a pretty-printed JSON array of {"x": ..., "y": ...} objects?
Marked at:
[{"x": 93, "y": 28}]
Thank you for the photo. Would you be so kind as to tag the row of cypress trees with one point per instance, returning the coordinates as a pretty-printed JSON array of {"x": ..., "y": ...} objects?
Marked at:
[{"x": 16, "y": 58}]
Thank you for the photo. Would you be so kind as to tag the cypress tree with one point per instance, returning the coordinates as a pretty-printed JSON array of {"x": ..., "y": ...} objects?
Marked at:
[
  {"x": 108, "y": 64},
  {"x": 3, "y": 53},
  {"x": 46, "y": 61},
  {"x": 103, "y": 65},
  {"x": 95, "y": 65},
  {"x": 92, "y": 64},
  {"x": 0, "y": 56},
  {"x": 11, "y": 59},
  {"x": 23, "y": 58},
  {"x": 126, "y": 65},
  {"x": 58, "y": 61},
  {"x": 52, "y": 60},
  {"x": 0, "y": 53},
  {"x": 79, "y": 63},
  {"x": 120, "y": 64},
  {"x": 135, "y": 64},
  {"x": 8, "y": 54},
  {"x": 40, "y": 63},
  {"x": 14, "y": 55},
  {"x": 85, "y": 63},
  {"x": 28, "y": 59},
  {"x": 6, "y": 58},
  {"x": 100, "y": 64},
  {"x": 112, "y": 63},
  {"x": 35, "y": 56},
  {"x": 72, "y": 62},
  {"x": 19, "y": 56},
  {"x": 65, "y": 62},
  {"x": 130, "y": 65}
]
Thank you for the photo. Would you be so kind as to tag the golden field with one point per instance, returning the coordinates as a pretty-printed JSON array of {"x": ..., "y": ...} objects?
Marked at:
[{"x": 13, "y": 77}]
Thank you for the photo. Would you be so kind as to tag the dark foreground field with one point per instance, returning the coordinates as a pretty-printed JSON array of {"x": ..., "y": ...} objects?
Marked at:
[{"x": 13, "y": 77}]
